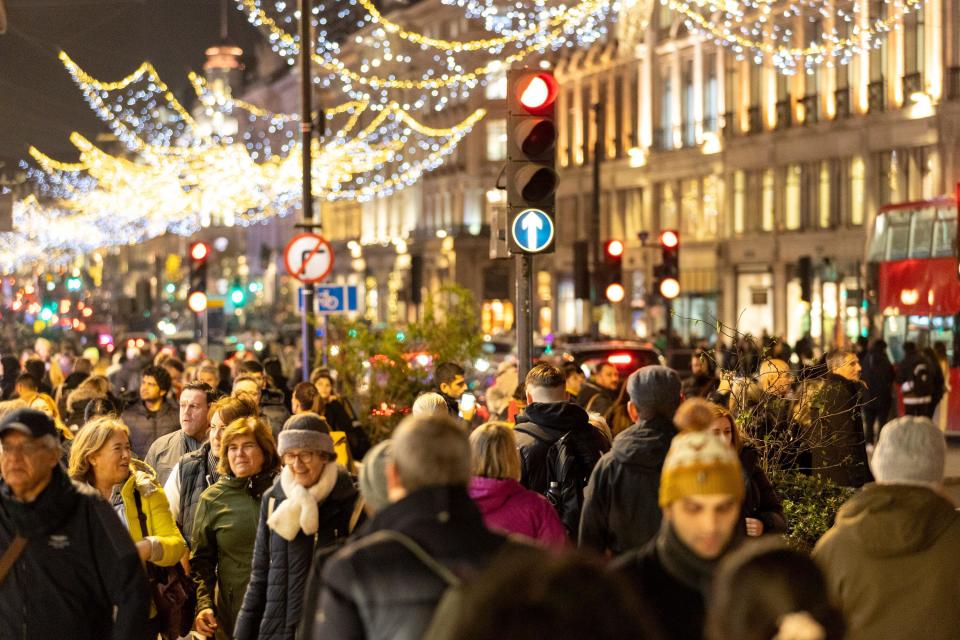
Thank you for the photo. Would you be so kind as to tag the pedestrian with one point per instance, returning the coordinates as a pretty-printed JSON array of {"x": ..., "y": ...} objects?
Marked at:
[
  {"x": 26, "y": 387},
  {"x": 766, "y": 590},
  {"x": 372, "y": 481},
  {"x": 558, "y": 446},
  {"x": 210, "y": 374},
  {"x": 449, "y": 378},
  {"x": 339, "y": 414},
  {"x": 703, "y": 376},
  {"x": 91, "y": 388},
  {"x": 701, "y": 491},
  {"x": 429, "y": 404},
  {"x": 558, "y": 596},
  {"x": 272, "y": 401},
  {"x": 917, "y": 377},
  {"x": 388, "y": 583},
  {"x": 175, "y": 368},
  {"x": 600, "y": 391},
  {"x": 70, "y": 565},
  {"x": 225, "y": 524},
  {"x": 891, "y": 558},
  {"x": 620, "y": 510},
  {"x": 305, "y": 399},
  {"x": 196, "y": 471},
  {"x": 500, "y": 392},
  {"x": 82, "y": 369},
  {"x": 313, "y": 504},
  {"x": 166, "y": 451},
  {"x": 829, "y": 412},
  {"x": 575, "y": 379},
  {"x": 495, "y": 486},
  {"x": 152, "y": 416},
  {"x": 942, "y": 410},
  {"x": 11, "y": 371},
  {"x": 879, "y": 374}
]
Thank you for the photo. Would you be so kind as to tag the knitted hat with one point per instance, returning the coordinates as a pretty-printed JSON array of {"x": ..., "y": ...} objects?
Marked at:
[
  {"x": 305, "y": 431},
  {"x": 655, "y": 387},
  {"x": 373, "y": 476},
  {"x": 700, "y": 463},
  {"x": 911, "y": 450}
]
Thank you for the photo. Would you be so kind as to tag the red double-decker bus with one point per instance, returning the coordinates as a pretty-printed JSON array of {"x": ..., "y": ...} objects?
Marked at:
[{"x": 914, "y": 282}]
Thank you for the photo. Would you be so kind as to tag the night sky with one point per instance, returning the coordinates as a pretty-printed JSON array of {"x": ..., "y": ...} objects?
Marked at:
[{"x": 39, "y": 103}]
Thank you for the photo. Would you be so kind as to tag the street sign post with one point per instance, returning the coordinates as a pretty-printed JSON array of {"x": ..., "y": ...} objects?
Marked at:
[{"x": 308, "y": 257}]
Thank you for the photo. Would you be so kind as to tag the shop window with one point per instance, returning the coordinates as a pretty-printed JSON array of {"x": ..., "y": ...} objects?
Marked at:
[
  {"x": 497, "y": 140},
  {"x": 769, "y": 199},
  {"x": 858, "y": 190},
  {"x": 791, "y": 198},
  {"x": 739, "y": 201}
]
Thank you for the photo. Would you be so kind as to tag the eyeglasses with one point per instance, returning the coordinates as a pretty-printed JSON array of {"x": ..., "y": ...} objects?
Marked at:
[
  {"x": 24, "y": 450},
  {"x": 305, "y": 457}
]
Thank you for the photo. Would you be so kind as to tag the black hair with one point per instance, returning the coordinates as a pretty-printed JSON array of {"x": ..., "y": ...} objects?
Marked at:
[
  {"x": 160, "y": 375},
  {"x": 249, "y": 366},
  {"x": 173, "y": 363},
  {"x": 571, "y": 369},
  {"x": 447, "y": 372},
  {"x": 208, "y": 391},
  {"x": 36, "y": 368},
  {"x": 27, "y": 380}
]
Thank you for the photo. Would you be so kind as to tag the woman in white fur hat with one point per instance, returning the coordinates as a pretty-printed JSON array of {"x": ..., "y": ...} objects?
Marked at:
[{"x": 313, "y": 504}]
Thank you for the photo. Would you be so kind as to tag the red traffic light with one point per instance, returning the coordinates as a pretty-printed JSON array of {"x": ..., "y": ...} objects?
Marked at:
[
  {"x": 669, "y": 239},
  {"x": 199, "y": 251},
  {"x": 537, "y": 92},
  {"x": 614, "y": 248}
]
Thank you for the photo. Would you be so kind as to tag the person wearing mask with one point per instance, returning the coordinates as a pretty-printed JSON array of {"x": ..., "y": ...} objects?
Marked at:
[
  {"x": 101, "y": 458},
  {"x": 196, "y": 471},
  {"x": 600, "y": 391},
  {"x": 313, "y": 504},
  {"x": 387, "y": 584},
  {"x": 72, "y": 567},
  {"x": 878, "y": 374},
  {"x": 339, "y": 414},
  {"x": 225, "y": 524},
  {"x": 620, "y": 509},
  {"x": 829, "y": 414},
  {"x": 701, "y": 493},
  {"x": 166, "y": 451},
  {"x": 495, "y": 486},
  {"x": 152, "y": 416},
  {"x": 891, "y": 558},
  {"x": 766, "y": 590}
]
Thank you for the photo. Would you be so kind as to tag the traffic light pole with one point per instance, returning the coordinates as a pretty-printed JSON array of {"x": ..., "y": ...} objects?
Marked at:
[
  {"x": 524, "y": 282},
  {"x": 596, "y": 295},
  {"x": 306, "y": 142}
]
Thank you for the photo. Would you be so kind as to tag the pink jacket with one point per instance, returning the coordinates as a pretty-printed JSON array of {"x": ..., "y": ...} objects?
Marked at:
[{"x": 508, "y": 506}]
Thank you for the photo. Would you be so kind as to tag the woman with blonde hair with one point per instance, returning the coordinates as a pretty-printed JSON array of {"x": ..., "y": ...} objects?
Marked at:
[
  {"x": 495, "y": 488},
  {"x": 46, "y": 404},
  {"x": 225, "y": 524},
  {"x": 101, "y": 457}
]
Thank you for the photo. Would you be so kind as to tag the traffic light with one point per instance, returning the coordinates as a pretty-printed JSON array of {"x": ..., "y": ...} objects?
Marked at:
[
  {"x": 197, "y": 298},
  {"x": 237, "y": 294},
  {"x": 668, "y": 272},
  {"x": 531, "y": 159},
  {"x": 612, "y": 271}
]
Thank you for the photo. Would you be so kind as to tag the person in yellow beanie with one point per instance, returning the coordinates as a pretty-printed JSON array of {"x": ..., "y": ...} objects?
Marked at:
[{"x": 701, "y": 493}]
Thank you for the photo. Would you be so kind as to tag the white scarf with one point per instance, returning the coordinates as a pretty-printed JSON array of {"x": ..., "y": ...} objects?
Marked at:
[{"x": 300, "y": 511}]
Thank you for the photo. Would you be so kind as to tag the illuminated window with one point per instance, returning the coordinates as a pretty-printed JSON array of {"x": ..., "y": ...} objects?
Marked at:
[
  {"x": 668, "y": 206},
  {"x": 497, "y": 140},
  {"x": 791, "y": 198},
  {"x": 823, "y": 200},
  {"x": 739, "y": 201},
  {"x": 858, "y": 190},
  {"x": 769, "y": 198}
]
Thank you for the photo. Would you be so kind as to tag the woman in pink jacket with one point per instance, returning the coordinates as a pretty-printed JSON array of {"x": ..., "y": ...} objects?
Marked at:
[{"x": 505, "y": 504}]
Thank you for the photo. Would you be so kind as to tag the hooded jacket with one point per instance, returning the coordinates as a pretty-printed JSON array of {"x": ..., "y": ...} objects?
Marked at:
[
  {"x": 546, "y": 423},
  {"x": 79, "y": 574},
  {"x": 509, "y": 507},
  {"x": 891, "y": 562},
  {"x": 274, "y": 599},
  {"x": 621, "y": 509}
]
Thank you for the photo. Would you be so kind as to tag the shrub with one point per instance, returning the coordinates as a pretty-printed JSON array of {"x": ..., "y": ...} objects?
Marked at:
[{"x": 810, "y": 504}]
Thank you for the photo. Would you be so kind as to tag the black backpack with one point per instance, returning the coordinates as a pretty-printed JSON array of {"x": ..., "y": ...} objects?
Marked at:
[{"x": 570, "y": 461}]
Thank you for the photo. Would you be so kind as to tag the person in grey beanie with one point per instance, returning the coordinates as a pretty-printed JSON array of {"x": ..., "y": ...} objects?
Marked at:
[
  {"x": 620, "y": 507},
  {"x": 891, "y": 558},
  {"x": 313, "y": 504}
]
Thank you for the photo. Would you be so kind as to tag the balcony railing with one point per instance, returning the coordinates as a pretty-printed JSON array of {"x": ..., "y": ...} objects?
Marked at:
[
  {"x": 953, "y": 83},
  {"x": 784, "y": 113},
  {"x": 912, "y": 83},
  {"x": 663, "y": 139},
  {"x": 811, "y": 108},
  {"x": 876, "y": 96},
  {"x": 754, "y": 120},
  {"x": 842, "y": 99},
  {"x": 729, "y": 125}
]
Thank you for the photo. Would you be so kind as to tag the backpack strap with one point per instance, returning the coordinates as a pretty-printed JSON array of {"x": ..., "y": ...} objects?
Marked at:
[
  {"x": 9, "y": 557},
  {"x": 533, "y": 435},
  {"x": 141, "y": 516},
  {"x": 421, "y": 554}
]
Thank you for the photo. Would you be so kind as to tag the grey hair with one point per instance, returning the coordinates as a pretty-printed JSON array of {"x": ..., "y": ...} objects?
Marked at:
[
  {"x": 428, "y": 404},
  {"x": 431, "y": 451}
]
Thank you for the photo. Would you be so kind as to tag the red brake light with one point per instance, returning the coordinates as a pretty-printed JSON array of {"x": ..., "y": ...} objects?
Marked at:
[{"x": 619, "y": 358}]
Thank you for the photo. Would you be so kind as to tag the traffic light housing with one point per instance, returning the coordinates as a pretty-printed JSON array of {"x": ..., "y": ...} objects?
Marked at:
[
  {"x": 531, "y": 151},
  {"x": 611, "y": 281},
  {"x": 668, "y": 272},
  {"x": 197, "y": 297}
]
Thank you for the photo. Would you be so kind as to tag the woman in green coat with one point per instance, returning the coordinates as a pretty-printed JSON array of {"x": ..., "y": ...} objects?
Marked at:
[{"x": 225, "y": 526}]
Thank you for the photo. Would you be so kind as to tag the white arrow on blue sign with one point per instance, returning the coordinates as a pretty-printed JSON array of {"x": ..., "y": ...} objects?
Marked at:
[{"x": 532, "y": 230}]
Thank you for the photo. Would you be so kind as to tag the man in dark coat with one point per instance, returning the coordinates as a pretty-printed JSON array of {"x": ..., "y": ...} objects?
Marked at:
[
  {"x": 547, "y": 417},
  {"x": 917, "y": 375},
  {"x": 829, "y": 415},
  {"x": 152, "y": 416},
  {"x": 879, "y": 375},
  {"x": 388, "y": 583},
  {"x": 79, "y": 574},
  {"x": 600, "y": 391},
  {"x": 620, "y": 510},
  {"x": 701, "y": 491}
]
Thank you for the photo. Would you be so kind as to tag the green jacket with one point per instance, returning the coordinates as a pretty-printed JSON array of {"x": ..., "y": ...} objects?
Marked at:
[
  {"x": 224, "y": 532},
  {"x": 892, "y": 564}
]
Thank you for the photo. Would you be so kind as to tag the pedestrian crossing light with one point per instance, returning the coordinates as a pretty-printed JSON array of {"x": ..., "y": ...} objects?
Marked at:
[
  {"x": 197, "y": 297},
  {"x": 531, "y": 174},
  {"x": 668, "y": 272}
]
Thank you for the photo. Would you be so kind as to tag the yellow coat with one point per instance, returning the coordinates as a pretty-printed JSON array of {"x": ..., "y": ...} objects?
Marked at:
[{"x": 160, "y": 522}]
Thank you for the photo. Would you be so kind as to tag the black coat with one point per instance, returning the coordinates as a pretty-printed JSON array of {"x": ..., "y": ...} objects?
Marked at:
[
  {"x": 548, "y": 422},
  {"x": 879, "y": 375},
  {"x": 273, "y": 603},
  {"x": 376, "y": 589},
  {"x": 598, "y": 398},
  {"x": 196, "y": 474},
  {"x": 760, "y": 500},
  {"x": 145, "y": 427},
  {"x": 621, "y": 509},
  {"x": 79, "y": 565}
]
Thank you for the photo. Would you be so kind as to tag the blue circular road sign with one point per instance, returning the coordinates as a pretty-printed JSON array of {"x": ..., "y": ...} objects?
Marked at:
[{"x": 532, "y": 230}]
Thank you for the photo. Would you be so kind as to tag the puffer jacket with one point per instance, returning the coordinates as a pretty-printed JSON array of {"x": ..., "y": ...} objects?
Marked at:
[
  {"x": 162, "y": 531},
  {"x": 509, "y": 507},
  {"x": 145, "y": 428},
  {"x": 195, "y": 473},
  {"x": 891, "y": 563},
  {"x": 273, "y": 602},
  {"x": 621, "y": 509}
]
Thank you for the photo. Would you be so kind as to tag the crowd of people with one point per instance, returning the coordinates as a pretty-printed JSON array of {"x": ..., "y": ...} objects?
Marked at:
[{"x": 163, "y": 497}]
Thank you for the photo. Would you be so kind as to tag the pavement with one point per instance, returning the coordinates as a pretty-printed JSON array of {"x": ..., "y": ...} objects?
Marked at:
[{"x": 952, "y": 471}]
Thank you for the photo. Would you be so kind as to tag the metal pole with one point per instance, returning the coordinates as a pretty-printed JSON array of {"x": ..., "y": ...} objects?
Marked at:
[
  {"x": 596, "y": 295},
  {"x": 524, "y": 282},
  {"x": 306, "y": 142}
]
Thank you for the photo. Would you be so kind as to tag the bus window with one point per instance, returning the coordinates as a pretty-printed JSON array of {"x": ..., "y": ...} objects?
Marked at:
[
  {"x": 944, "y": 233},
  {"x": 920, "y": 242},
  {"x": 898, "y": 241},
  {"x": 878, "y": 243}
]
